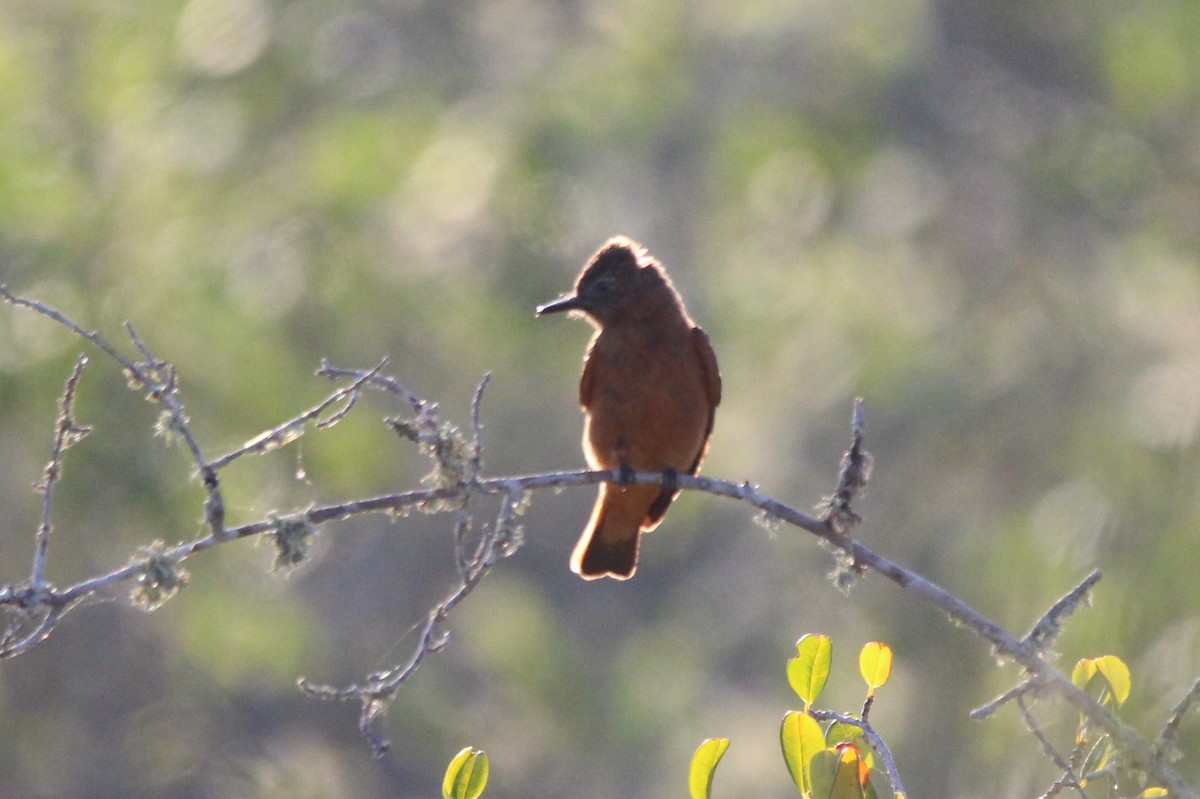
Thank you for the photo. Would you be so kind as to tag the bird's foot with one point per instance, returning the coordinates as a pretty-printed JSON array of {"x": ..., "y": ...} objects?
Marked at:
[{"x": 625, "y": 475}]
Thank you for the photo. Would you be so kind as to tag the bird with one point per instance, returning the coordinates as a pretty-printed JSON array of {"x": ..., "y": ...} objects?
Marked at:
[{"x": 649, "y": 392}]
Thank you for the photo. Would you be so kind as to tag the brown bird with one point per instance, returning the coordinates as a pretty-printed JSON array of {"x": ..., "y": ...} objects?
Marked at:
[{"x": 649, "y": 390}]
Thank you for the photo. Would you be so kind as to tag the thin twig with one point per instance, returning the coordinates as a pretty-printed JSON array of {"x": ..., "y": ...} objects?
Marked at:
[
  {"x": 293, "y": 428},
  {"x": 1165, "y": 743},
  {"x": 1068, "y": 780},
  {"x": 382, "y": 382},
  {"x": 1049, "y": 626},
  {"x": 376, "y": 695},
  {"x": 1016, "y": 692},
  {"x": 12, "y": 645},
  {"x": 476, "y": 467},
  {"x": 163, "y": 386},
  {"x": 90, "y": 335},
  {"x": 66, "y": 433}
]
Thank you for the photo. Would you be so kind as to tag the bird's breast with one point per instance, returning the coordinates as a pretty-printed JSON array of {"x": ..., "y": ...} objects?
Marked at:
[{"x": 649, "y": 406}]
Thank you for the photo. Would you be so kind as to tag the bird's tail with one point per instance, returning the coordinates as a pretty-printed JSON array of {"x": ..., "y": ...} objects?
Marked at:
[{"x": 609, "y": 544}]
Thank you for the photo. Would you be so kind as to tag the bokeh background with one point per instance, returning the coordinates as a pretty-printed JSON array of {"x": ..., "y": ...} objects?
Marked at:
[{"x": 980, "y": 216}]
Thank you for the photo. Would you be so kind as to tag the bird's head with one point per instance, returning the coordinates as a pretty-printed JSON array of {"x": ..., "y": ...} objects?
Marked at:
[{"x": 620, "y": 279}]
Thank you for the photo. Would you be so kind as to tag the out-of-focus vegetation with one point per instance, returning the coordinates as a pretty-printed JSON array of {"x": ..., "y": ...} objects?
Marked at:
[{"x": 980, "y": 216}]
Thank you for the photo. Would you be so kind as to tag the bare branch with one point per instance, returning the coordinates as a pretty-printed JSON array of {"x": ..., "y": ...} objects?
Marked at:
[
  {"x": 1136, "y": 748},
  {"x": 456, "y": 479},
  {"x": 158, "y": 378}
]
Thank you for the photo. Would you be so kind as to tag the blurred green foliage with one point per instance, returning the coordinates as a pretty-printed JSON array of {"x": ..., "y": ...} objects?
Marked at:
[{"x": 980, "y": 216}]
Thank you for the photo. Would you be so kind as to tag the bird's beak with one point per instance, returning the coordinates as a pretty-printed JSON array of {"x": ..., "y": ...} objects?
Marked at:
[{"x": 571, "y": 303}]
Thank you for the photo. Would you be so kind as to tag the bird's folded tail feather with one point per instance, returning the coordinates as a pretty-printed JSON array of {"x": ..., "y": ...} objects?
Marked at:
[{"x": 609, "y": 544}]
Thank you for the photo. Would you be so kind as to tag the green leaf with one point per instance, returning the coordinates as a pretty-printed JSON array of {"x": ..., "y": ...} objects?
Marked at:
[
  {"x": 839, "y": 733},
  {"x": 704, "y": 763},
  {"x": 842, "y": 733},
  {"x": 839, "y": 774},
  {"x": 823, "y": 769},
  {"x": 808, "y": 671},
  {"x": 875, "y": 665},
  {"x": 1111, "y": 668},
  {"x": 801, "y": 738},
  {"x": 1085, "y": 669},
  {"x": 1097, "y": 757},
  {"x": 1117, "y": 674},
  {"x": 467, "y": 775}
]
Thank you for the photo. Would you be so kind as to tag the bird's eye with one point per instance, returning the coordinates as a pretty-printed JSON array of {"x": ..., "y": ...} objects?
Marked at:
[{"x": 603, "y": 285}]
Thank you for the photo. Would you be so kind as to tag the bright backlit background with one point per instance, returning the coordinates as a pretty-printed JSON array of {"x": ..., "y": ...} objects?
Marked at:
[{"x": 980, "y": 216}]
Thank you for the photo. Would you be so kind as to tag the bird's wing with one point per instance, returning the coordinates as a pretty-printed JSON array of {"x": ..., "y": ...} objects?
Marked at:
[
  {"x": 587, "y": 381},
  {"x": 708, "y": 366},
  {"x": 712, "y": 388}
]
